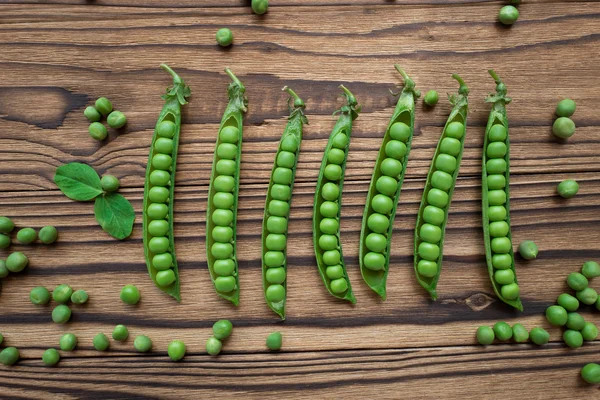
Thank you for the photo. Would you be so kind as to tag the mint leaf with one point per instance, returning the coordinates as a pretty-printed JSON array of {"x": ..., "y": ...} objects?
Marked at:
[
  {"x": 115, "y": 215},
  {"x": 78, "y": 181}
]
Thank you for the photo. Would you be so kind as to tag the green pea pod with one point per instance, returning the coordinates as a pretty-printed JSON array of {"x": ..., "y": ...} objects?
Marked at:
[
  {"x": 157, "y": 222},
  {"x": 223, "y": 196},
  {"x": 439, "y": 186},
  {"x": 387, "y": 181},
  {"x": 496, "y": 199},
  {"x": 277, "y": 211},
  {"x": 328, "y": 200}
]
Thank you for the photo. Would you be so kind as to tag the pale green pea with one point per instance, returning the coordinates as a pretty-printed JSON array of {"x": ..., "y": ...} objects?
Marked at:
[
  {"x": 391, "y": 167},
  {"x": 378, "y": 223},
  {"x": 224, "y": 267},
  {"x": 225, "y": 284}
]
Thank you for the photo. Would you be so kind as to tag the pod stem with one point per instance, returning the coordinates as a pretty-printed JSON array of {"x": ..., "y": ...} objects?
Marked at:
[
  {"x": 235, "y": 79},
  {"x": 501, "y": 91},
  {"x": 298, "y": 103},
  {"x": 349, "y": 96},
  {"x": 409, "y": 84},
  {"x": 464, "y": 90},
  {"x": 236, "y": 90},
  {"x": 179, "y": 90}
]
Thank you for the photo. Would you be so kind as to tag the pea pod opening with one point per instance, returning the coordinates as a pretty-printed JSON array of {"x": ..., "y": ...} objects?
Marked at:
[
  {"x": 328, "y": 201},
  {"x": 221, "y": 213},
  {"x": 387, "y": 178},
  {"x": 157, "y": 221},
  {"x": 277, "y": 209},
  {"x": 433, "y": 212},
  {"x": 495, "y": 199}
]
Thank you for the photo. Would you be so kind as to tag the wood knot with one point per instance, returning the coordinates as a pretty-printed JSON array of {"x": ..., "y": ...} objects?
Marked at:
[{"x": 478, "y": 301}]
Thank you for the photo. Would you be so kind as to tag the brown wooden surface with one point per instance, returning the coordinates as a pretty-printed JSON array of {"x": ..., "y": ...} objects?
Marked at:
[{"x": 56, "y": 57}]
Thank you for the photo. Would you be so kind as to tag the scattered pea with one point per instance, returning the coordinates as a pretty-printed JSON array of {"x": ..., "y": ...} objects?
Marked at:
[
  {"x": 556, "y": 315},
  {"x": 539, "y": 336},
  {"x": 61, "y": 314},
  {"x": 39, "y": 295},
  {"x": 274, "y": 341},
  {"x": 577, "y": 281},
  {"x": 176, "y": 350},
  {"x": 104, "y": 106},
  {"x": 587, "y": 296},
  {"x": 224, "y": 37},
  {"x": 589, "y": 331},
  {"x": 4, "y": 241},
  {"x": 62, "y": 293},
  {"x": 502, "y": 330},
  {"x": 97, "y": 131},
  {"x": 48, "y": 234},
  {"x": 16, "y": 262},
  {"x": 116, "y": 120},
  {"x": 508, "y": 15},
  {"x": 79, "y": 297},
  {"x": 92, "y": 114},
  {"x": 26, "y": 235},
  {"x": 213, "y": 346},
  {"x": 528, "y": 250},
  {"x": 568, "y": 302},
  {"x": 142, "y": 343},
  {"x": 6, "y": 225},
  {"x": 485, "y": 335},
  {"x": 563, "y": 127},
  {"x": 120, "y": 333},
  {"x": 50, "y": 357},
  {"x": 565, "y": 108},
  {"x": 110, "y": 183},
  {"x": 567, "y": 188},
  {"x": 431, "y": 98},
  {"x": 3, "y": 270},
  {"x": 68, "y": 342},
  {"x": 573, "y": 338},
  {"x": 591, "y": 373},
  {"x": 590, "y": 269},
  {"x": 130, "y": 294},
  {"x": 575, "y": 321},
  {"x": 520, "y": 334},
  {"x": 9, "y": 356},
  {"x": 222, "y": 329},
  {"x": 101, "y": 342}
]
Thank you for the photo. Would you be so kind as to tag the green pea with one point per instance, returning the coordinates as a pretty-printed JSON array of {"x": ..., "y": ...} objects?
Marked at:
[
  {"x": 283, "y": 192},
  {"x": 428, "y": 269},
  {"x": 221, "y": 251},
  {"x": 573, "y": 338},
  {"x": 331, "y": 257},
  {"x": 520, "y": 334},
  {"x": 496, "y": 197},
  {"x": 504, "y": 276},
  {"x": 374, "y": 261},
  {"x": 386, "y": 185},
  {"x": 222, "y": 234},
  {"x": 224, "y": 37},
  {"x": 223, "y": 200},
  {"x": 577, "y": 281},
  {"x": 48, "y": 235},
  {"x": 224, "y": 183},
  {"x": 501, "y": 245},
  {"x": 328, "y": 242},
  {"x": 340, "y": 140},
  {"x": 332, "y": 172},
  {"x": 395, "y": 149},
  {"x": 575, "y": 321},
  {"x": 400, "y": 131},
  {"x": 431, "y": 98},
  {"x": 510, "y": 291},
  {"x": 3, "y": 270},
  {"x": 164, "y": 145},
  {"x": 116, "y": 120},
  {"x": 157, "y": 211},
  {"x": 226, "y": 167},
  {"x": 224, "y": 267},
  {"x": 496, "y": 166},
  {"x": 162, "y": 161},
  {"x": 589, "y": 331},
  {"x": 339, "y": 286},
  {"x": 450, "y": 146},
  {"x": 274, "y": 258},
  {"x": 130, "y": 294},
  {"x": 438, "y": 198},
  {"x": 229, "y": 134},
  {"x": 79, "y": 297},
  {"x": 591, "y": 373},
  {"x": 68, "y": 342},
  {"x": 502, "y": 330},
  {"x": 289, "y": 144},
  {"x": 556, "y": 315},
  {"x": 222, "y": 217},
  {"x": 539, "y": 336},
  {"x": 276, "y": 241},
  {"x": 279, "y": 208},
  {"x": 61, "y": 314},
  {"x": 336, "y": 156},
  {"x": 120, "y": 333},
  {"x": 97, "y": 131},
  {"x": 597, "y": 305},
  {"x": 213, "y": 346},
  {"x": 378, "y": 223},
  {"x": 563, "y": 127},
  {"x": 434, "y": 215},
  {"x": 590, "y": 269},
  {"x": 429, "y": 251},
  {"x": 286, "y": 159},
  {"x": 275, "y": 275},
  {"x": 587, "y": 296},
  {"x": 382, "y": 204},
  {"x": 104, "y": 106},
  {"x": 4, "y": 241},
  {"x": 9, "y": 356},
  {"x": 496, "y": 150},
  {"x": 165, "y": 278},
  {"x": 158, "y": 227},
  {"x": 39, "y": 295},
  {"x": 6, "y": 225},
  {"x": 260, "y": 7},
  {"x": 508, "y": 15},
  {"x": 499, "y": 229},
  {"x": 227, "y": 151},
  {"x": 376, "y": 242},
  {"x": 142, "y": 344},
  {"x": 455, "y": 130},
  {"x": 176, "y": 350},
  {"x": 497, "y": 133},
  {"x": 565, "y": 108},
  {"x": 334, "y": 272},
  {"x": 158, "y": 194},
  {"x": 497, "y": 214},
  {"x": 166, "y": 129},
  {"x": 275, "y": 293},
  {"x": 446, "y": 163},
  {"x": 391, "y": 167},
  {"x": 568, "y": 302},
  {"x": 528, "y": 250},
  {"x": 26, "y": 235},
  {"x": 162, "y": 261},
  {"x": 442, "y": 180},
  {"x": 1, "y": 338},
  {"x": 502, "y": 261},
  {"x": 283, "y": 176},
  {"x": 430, "y": 233},
  {"x": 567, "y": 188},
  {"x": 16, "y": 262},
  {"x": 274, "y": 341},
  {"x": 496, "y": 181},
  {"x": 329, "y": 209},
  {"x": 485, "y": 335},
  {"x": 92, "y": 114},
  {"x": 330, "y": 191},
  {"x": 62, "y": 294}
]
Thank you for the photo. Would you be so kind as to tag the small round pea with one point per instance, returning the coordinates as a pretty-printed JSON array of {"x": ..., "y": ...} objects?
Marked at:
[
  {"x": 48, "y": 234},
  {"x": 395, "y": 149},
  {"x": 289, "y": 144},
  {"x": 224, "y": 267},
  {"x": 157, "y": 211},
  {"x": 97, "y": 131},
  {"x": 286, "y": 159},
  {"x": 274, "y": 258},
  {"x": 104, "y": 106},
  {"x": 573, "y": 338},
  {"x": 455, "y": 130},
  {"x": 567, "y": 188},
  {"x": 504, "y": 276},
  {"x": 498, "y": 229},
  {"x": 339, "y": 286},
  {"x": 496, "y": 150},
  {"x": 224, "y": 183},
  {"x": 577, "y": 281},
  {"x": 431, "y": 98},
  {"x": 223, "y": 200},
  {"x": 510, "y": 291},
  {"x": 501, "y": 245},
  {"x": 26, "y": 235},
  {"x": 222, "y": 217},
  {"x": 591, "y": 373},
  {"x": 496, "y": 166},
  {"x": 437, "y": 197},
  {"x": 166, "y": 129},
  {"x": 427, "y": 268},
  {"x": 376, "y": 242},
  {"x": 162, "y": 161},
  {"x": 275, "y": 275},
  {"x": 539, "y": 336},
  {"x": 165, "y": 278},
  {"x": 61, "y": 314},
  {"x": 502, "y": 330},
  {"x": 434, "y": 215},
  {"x": 39, "y": 295},
  {"x": 430, "y": 233},
  {"x": 116, "y": 120},
  {"x": 497, "y": 214},
  {"x": 158, "y": 194},
  {"x": 225, "y": 167},
  {"x": 378, "y": 223},
  {"x": 450, "y": 146},
  {"x": 382, "y": 204},
  {"x": 589, "y": 331},
  {"x": 120, "y": 333},
  {"x": 3, "y": 270},
  {"x": 6, "y": 225},
  {"x": 508, "y": 15},
  {"x": 222, "y": 329},
  {"x": 227, "y": 151},
  {"x": 284, "y": 176},
  {"x": 221, "y": 234},
  {"x": 229, "y": 134},
  {"x": 568, "y": 302},
  {"x": 391, "y": 167},
  {"x": 274, "y": 341},
  {"x": 497, "y": 133},
  {"x": 587, "y": 296},
  {"x": 142, "y": 344},
  {"x": 386, "y": 185},
  {"x": 502, "y": 261},
  {"x": 496, "y": 181},
  {"x": 100, "y": 342},
  {"x": 330, "y": 191},
  {"x": 9, "y": 356},
  {"x": 565, "y": 108},
  {"x": 496, "y": 197},
  {"x": 158, "y": 227},
  {"x": 260, "y": 6},
  {"x": 68, "y": 342},
  {"x": 374, "y": 261},
  {"x": 4, "y": 241},
  {"x": 597, "y": 305},
  {"x": 520, "y": 334},
  {"x": 575, "y": 321},
  {"x": 428, "y": 251},
  {"x": 110, "y": 183},
  {"x": 336, "y": 156},
  {"x": 130, "y": 294},
  {"x": 442, "y": 180},
  {"x": 333, "y": 172},
  {"x": 225, "y": 284},
  {"x": 556, "y": 315},
  {"x": 277, "y": 242},
  {"x": 485, "y": 335},
  {"x": 275, "y": 293},
  {"x": 221, "y": 251},
  {"x": 176, "y": 350},
  {"x": 224, "y": 37},
  {"x": 92, "y": 114},
  {"x": 528, "y": 250},
  {"x": 340, "y": 140},
  {"x": 590, "y": 269},
  {"x": 328, "y": 242},
  {"x": 50, "y": 357},
  {"x": 331, "y": 257},
  {"x": 62, "y": 293},
  {"x": 284, "y": 192},
  {"x": 335, "y": 271},
  {"x": 446, "y": 163},
  {"x": 213, "y": 346},
  {"x": 563, "y": 127},
  {"x": 16, "y": 262},
  {"x": 400, "y": 131}
]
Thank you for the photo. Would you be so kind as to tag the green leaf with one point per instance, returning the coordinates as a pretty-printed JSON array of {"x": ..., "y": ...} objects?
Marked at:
[
  {"x": 115, "y": 215},
  {"x": 78, "y": 181}
]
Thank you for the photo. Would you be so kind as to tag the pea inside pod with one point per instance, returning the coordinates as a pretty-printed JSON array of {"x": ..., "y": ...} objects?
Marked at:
[
  {"x": 376, "y": 231},
  {"x": 327, "y": 205},
  {"x": 439, "y": 186},
  {"x": 223, "y": 195},
  {"x": 157, "y": 223}
]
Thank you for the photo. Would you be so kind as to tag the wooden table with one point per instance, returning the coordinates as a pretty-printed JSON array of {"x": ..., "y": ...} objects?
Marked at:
[{"x": 58, "y": 56}]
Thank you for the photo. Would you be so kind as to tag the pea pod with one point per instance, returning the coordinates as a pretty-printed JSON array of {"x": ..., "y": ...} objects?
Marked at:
[
  {"x": 387, "y": 179},
  {"x": 433, "y": 212},
  {"x": 277, "y": 208},
  {"x": 157, "y": 223},
  {"x": 223, "y": 196},
  {"x": 328, "y": 200},
  {"x": 496, "y": 200}
]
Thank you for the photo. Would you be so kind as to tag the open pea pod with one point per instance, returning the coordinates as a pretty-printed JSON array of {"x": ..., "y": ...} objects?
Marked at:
[
  {"x": 433, "y": 212},
  {"x": 388, "y": 175},
  {"x": 328, "y": 201},
  {"x": 221, "y": 213},
  {"x": 157, "y": 220},
  {"x": 495, "y": 198},
  {"x": 277, "y": 208}
]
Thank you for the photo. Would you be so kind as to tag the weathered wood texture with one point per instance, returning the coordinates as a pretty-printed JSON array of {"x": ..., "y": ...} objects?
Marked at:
[{"x": 58, "y": 56}]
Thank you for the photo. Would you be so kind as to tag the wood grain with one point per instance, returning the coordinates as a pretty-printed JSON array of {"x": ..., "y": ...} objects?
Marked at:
[{"x": 59, "y": 56}]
